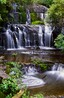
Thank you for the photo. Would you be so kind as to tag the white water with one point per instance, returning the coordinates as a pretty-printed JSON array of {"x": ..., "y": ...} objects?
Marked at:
[
  {"x": 40, "y": 34},
  {"x": 20, "y": 36},
  {"x": 48, "y": 35},
  {"x": 53, "y": 78},
  {"x": 10, "y": 41},
  {"x": 28, "y": 18},
  {"x": 29, "y": 79}
]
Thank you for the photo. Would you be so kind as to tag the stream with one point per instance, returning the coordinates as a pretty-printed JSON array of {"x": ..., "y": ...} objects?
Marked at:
[{"x": 48, "y": 83}]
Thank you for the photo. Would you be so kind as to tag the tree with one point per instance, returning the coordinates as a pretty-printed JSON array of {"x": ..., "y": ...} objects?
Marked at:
[
  {"x": 2, "y": 1},
  {"x": 43, "y": 2},
  {"x": 59, "y": 41},
  {"x": 56, "y": 13}
]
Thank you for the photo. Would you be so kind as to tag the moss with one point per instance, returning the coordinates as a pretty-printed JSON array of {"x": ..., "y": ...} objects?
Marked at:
[
  {"x": 38, "y": 22},
  {"x": 33, "y": 16}
]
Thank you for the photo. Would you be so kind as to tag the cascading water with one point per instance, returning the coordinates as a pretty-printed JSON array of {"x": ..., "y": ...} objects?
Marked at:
[
  {"x": 48, "y": 35},
  {"x": 10, "y": 42},
  {"x": 19, "y": 36},
  {"x": 29, "y": 79},
  {"x": 40, "y": 34},
  {"x": 28, "y": 22},
  {"x": 15, "y": 13},
  {"x": 50, "y": 82},
  {"x": 55, "y": 77}
]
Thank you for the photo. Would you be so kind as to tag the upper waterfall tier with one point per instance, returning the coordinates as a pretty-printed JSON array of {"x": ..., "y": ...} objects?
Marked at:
[{"x": 18, "y": 36}]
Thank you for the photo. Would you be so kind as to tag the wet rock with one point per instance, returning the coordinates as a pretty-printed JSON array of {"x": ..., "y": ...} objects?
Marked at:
[{"x": 3, "y": 74}]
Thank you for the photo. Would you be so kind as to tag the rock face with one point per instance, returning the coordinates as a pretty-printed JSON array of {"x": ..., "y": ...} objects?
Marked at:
[
  {"x": 38, "y": 8},
  {"x": 3, "y": 74}
]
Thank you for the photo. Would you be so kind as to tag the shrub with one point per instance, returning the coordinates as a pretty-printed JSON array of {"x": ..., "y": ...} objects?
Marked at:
[
  {"x": 33, "y": 16},
  {"x": 9, "y": 87},
  {"x": 13, "y": 69},
  {"x": 38, "y": 62},
  {"x": 59, "y": 41}
]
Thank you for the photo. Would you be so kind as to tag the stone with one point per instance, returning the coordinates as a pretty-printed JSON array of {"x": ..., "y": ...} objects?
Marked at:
[{"x": 3, "y": 74}]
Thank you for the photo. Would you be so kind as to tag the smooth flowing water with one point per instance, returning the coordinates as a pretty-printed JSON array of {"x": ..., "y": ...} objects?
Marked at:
[
  {"x": 18, "y": 36},
  {"x": 48, "y": 83}
]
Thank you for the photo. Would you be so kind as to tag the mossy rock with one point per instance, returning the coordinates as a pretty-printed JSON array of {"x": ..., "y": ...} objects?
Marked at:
[{"x": 38, "y": 22}]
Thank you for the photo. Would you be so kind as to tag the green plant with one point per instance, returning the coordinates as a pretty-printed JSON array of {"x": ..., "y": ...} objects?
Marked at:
[
  {"x": 56, "y": 13},
  {"x": 14, "y": 54},
  {"x": 9, "y": 87},
  {"x": 59, "y": 41},
  {"x": 15, "y": 73},
  {"x": 37, "y": 96},
  {"x": 3, "y": 1},
  {"x": 33, "y": 16},
  {"x": 38, "y": 62},
  {"x": 38, "y": 22},
  {"x": 26, "y": 94},
  {"x": 13, "y": 64},
  {"x": 13, "y": 69}
]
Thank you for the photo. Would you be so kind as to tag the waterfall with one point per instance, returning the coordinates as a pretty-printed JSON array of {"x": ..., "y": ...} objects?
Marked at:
[
  {"x": 19, "y": 36},
  {"x": 28, "y": 21},
  {"x": 10, "y": 40},
  {"x": 29, "y": 78},
  {"x": 42, "y": 16},
  {"x": 58, "y": 67},
  {"x": 40, "y": 34},
  {"x": 15, "y": 13},
  {"x": 48, "y": 35},
  {"x": 25, "y": 36}
]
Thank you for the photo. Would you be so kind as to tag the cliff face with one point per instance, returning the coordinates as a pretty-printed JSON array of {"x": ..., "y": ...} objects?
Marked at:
[{"x": 37, "y": 8}]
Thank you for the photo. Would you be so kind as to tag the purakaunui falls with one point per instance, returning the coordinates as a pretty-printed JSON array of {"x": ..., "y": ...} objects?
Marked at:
[
  {"x": 19, "y": 36},
  {"x": 51, "y": 81}
]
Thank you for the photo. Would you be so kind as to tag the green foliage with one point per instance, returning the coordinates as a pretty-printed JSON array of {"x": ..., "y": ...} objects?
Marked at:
[
  {"x": 59, "y": 41},
  {"x": 56, "y": 13},
  {"x": 26, "y": 2},
  {"x": 47, "y": 2},
  {"x": 9, "y": 96},
  {"x": 38, "y": 96},
  {"x": 2, "y": 95},
  {"x": 9, "y": 87},
  {"x": 38, "y": 22},
  {"x": 14, "y": 54},
  {"x": 15, "y": 73},
  {"x": 43, "y": 2},
  {"x": 4, "y": 13},
  {"x": 13, "y": 64},
  {"x": 33, "y": 16},
  {"x": 27, "y": 95},
  {"x": 13, "y": 69},
  {"x": 2, "y": 1},
  {"x": 38, "y": 62},
  {"x": 23, "y": 15}
]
